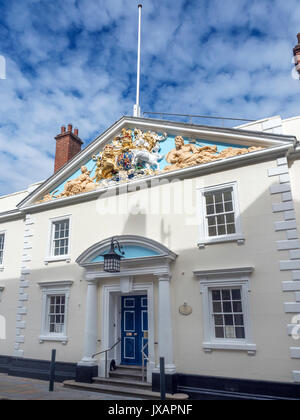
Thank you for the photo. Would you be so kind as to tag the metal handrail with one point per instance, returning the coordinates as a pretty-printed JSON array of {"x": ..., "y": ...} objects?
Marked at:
[
  {"x": 106, "y": 351},
  {"x": 144, "y": 357},
  {"x": 191, "y": 116}
]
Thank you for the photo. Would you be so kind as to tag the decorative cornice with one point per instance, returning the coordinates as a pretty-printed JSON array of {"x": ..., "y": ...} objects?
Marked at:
[
  {"x": 11, "y": 215},
  {"x": 223, "y": 272},
  {"x": 56, "y": 283}
]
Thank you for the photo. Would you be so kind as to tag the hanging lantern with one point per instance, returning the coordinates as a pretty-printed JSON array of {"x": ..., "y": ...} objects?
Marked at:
[{"x": 112, "y": 259}]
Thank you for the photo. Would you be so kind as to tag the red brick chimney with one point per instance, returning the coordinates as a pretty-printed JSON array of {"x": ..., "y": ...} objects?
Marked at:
[
  {"x": 297, "y": 55},
  {"x": 68, "y": 144}
]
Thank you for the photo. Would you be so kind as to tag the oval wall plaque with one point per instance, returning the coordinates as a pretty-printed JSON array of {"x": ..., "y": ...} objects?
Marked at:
[{"x": 185, "y": 309}]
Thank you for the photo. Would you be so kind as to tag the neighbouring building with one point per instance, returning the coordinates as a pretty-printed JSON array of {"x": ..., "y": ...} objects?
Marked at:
[{"x": 208, "y": 221}]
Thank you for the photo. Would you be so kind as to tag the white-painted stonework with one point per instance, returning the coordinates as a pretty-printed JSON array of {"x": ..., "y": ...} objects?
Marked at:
[
  {"x": 23, "y": 286},
  {"x": 174, "y": 257},
  {"x": 291, "y": 244}
]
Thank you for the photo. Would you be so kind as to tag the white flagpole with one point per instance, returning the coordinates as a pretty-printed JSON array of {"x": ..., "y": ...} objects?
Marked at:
[{"x": 137, "y": 109}]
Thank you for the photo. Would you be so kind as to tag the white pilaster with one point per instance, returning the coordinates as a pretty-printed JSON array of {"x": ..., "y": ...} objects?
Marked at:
[
  {"x": 165, "y": 340},
  {"x": 91, "y": 325}
]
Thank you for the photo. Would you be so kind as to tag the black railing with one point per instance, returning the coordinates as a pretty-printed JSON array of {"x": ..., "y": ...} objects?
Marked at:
[{"x": 190, "y": 117}]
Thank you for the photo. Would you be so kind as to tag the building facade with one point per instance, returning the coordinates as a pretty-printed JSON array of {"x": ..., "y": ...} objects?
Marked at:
[{"x": 208, "y": 219}]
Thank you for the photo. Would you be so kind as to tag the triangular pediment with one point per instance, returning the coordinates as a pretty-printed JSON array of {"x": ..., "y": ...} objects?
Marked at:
[{"x": 135, "y": 148}]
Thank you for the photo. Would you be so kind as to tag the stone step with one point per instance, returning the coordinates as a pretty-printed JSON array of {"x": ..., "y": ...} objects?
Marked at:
[
  {"x": 130, "y": 367},
  {"x": 126, "y": 374},
  {"x": 122, "y": 382},
  {"x": 122, "y": 390}
]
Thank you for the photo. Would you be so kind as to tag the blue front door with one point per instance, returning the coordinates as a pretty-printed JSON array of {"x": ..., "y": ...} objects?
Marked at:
[{"x": 134, "y": 328}]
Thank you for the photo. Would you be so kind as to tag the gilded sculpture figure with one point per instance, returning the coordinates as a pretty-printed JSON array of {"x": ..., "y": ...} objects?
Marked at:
[
  {"x": 134, "y": 153},
  {"x": 186, "y": 155},
  {"x": 83, "y": 183},
  {"x": 106, "y": 163}
]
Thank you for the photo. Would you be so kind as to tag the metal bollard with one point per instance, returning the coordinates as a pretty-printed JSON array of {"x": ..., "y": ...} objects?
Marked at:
[
  {"x": 52, "y": 371},
  {"x": 162, "y": 378}
]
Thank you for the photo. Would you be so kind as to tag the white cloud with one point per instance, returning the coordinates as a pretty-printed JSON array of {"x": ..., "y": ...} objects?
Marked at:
[{"x": 75, "y": 61}]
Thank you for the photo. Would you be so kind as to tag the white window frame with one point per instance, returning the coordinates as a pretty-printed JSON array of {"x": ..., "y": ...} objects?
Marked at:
[
  {"x": 50, "y": 257},
  {"x": 56, "y": 288},
  {"x": 205, "y": 239},
  {"x": 3, "y": 232},
  {"x": 222, "y": 279},
  {"x": 1, "y": 291}
]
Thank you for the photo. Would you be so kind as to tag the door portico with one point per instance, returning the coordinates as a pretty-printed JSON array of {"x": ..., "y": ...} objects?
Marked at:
[{"x": 137, "y": 277}]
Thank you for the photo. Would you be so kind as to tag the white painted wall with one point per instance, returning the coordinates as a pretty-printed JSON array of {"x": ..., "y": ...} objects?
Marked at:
[{"x": 272, "y": 361}]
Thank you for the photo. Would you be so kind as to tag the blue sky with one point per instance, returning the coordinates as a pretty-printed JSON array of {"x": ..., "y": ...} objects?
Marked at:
[{"x": 74, "y": 61}]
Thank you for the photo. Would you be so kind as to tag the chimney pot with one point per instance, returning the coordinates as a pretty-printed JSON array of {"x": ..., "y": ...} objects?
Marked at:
[
  {"x": 298, "y": 36},
  {"x": 67, "y": 146}
]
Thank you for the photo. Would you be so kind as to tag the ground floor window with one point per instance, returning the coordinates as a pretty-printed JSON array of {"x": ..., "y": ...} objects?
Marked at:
[
  {"x": 2, "y": 240},
  {"x": 56, "y": 314},
  {"x": 226, "y": 309},
  {"x": 227, "y": 313},
  {"x": 55, "y": 298}
]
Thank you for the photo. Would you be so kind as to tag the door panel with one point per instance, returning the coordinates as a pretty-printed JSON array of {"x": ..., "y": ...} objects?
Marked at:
[{"x": 134, "y": 328}]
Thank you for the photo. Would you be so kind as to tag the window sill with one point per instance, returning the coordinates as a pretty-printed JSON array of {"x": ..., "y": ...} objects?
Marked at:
[
  {"x": 60, "y": 338},
  {"x": 65, "y": 258},
  {"x": 240, "y": 239},
  {"x": 250, "y": 348}
]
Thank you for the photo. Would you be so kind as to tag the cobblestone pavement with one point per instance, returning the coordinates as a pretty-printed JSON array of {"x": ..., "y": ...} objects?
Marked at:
[{"x": 13, "y": 388}]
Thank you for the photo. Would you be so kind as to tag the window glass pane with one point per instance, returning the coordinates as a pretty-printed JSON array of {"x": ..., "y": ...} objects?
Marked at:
[
  {"x": 230, "y": 218},
  {"x": 228, "y": 319},
  {"x": 240, "y": 332},
  {"x": 219, "y": 320},
  {"x": 210, "y": 210},
  {"x": 221, "y": 220},
  {"x": 211, "y": 221},
  {"x": 212, "y": 231},
  {"x": 226, "y": 295},
  {"x": 228, "y": 207},
  {"x": 237, "y": 306},
  {"x": 236, "y": 294},
  {"x": 238, "y": 320},
  {"x": 216, "y": 295},
  {"x": 227, "y": 307},
  {"x": 221, "y": 230},
  {"x": 219, "y": 332},
  {"x": 217, "y": 308},
  {"x": 231, "y": 229},
  {"x": 229, "y": 332},
  {"x": 209, "y": 199},
  {"x": 219, "y": 208},
  {"x": 218, "y": 198},
  {"x": 227, "y": 196}
]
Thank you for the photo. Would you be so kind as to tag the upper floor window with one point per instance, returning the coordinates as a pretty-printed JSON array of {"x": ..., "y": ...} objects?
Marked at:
[
  {"x": 59, "y": 237},
  {"x": 2, "y": 241},
  {"x": 219, "y": 214}
]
